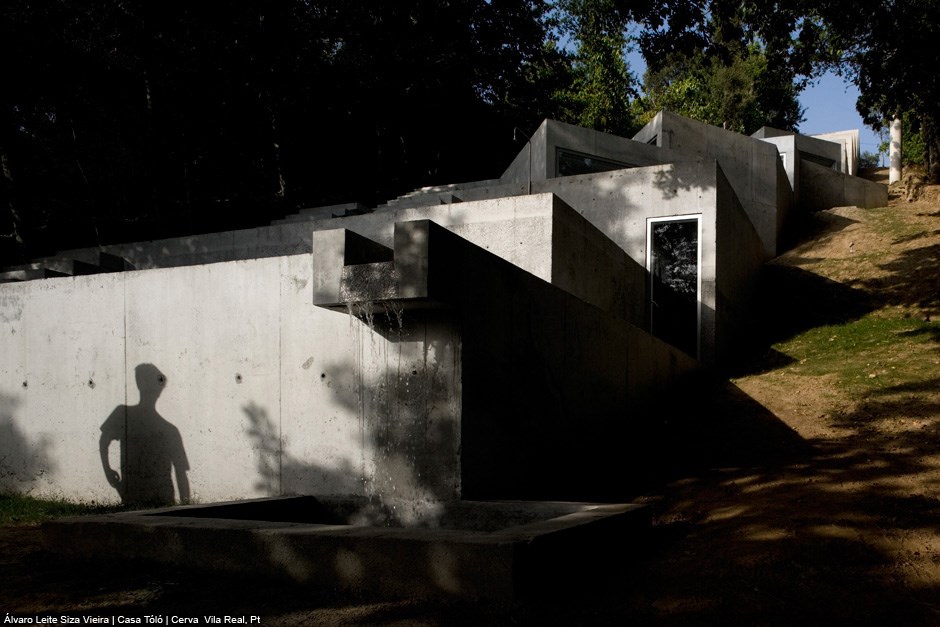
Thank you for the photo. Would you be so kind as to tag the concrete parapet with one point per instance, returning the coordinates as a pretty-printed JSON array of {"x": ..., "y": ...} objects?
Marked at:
[
  {"x": 539, "y": 159},
  {"x": 823, "y": 188},
  {"x": 536, "y": 364},
  {"x": 850, "y": 152},
  {"x": 479, "y": 551},
  {"x": 749, "y": 164}
]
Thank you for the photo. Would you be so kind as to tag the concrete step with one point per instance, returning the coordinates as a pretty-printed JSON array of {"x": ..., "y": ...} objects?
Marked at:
[
  {"x": 28, "y": 274},
  {"x": 310, "y": 214},
  {"x": 421, "y": 200}
]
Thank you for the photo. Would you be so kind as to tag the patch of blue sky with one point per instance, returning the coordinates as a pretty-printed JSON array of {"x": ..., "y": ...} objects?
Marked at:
[{"x": 828, "y": 103}]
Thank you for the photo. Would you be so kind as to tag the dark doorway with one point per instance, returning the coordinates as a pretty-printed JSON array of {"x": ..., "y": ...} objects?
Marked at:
[{"x": 673, "y": 245}]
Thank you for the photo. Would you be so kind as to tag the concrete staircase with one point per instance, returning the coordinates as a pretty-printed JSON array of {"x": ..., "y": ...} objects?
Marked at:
[
  {"x": 80, "y": 262},
  {"x": 324, "y": 213},
  {"x": 434, "y": 195}
]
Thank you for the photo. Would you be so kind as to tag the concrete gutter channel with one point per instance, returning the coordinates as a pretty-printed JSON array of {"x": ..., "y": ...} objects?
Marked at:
[{"x": 488, "y": 551}]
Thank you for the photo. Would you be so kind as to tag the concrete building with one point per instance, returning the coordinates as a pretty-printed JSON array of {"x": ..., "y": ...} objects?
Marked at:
[
  {"x": 810, "y": 161},
  {"x": 496, "y": 339}
]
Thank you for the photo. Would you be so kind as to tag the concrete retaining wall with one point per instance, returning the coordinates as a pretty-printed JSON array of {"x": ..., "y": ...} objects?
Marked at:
[
  {"x": 553, "y": 389},
  {"x": 552, "y": 136},
  {"x": 268, "y": 393},
  {"x": 821, "y": 188},
  {"x": 749, "y": 164}
]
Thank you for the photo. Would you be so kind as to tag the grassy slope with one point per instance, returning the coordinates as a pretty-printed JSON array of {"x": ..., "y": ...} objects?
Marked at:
[
  {"x": 19, "y": 509},
  {"x": 842, "y": 529}
]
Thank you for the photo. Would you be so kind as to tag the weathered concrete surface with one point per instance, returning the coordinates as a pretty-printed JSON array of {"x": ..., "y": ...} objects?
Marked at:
[
  {"x": 269, "y": 394},
  {"x": 541, "y": 370},
  {"x": 552, "y": 137},
  {"x": 61, "y": 360},
  {"x": 824, "y": 189},
  {"x": 620, "y": 203},
  {"x": 559, "y": 245},
  {"x": 795, "y": 148},
  {"x": 533, "y": 544},
  {"x": 850, "y": 154},
  {"x": 738, "y": 257},
  {"x": 616, "y": 203},
  {"x": 551, "y": 385},
  {"x": 296, "y": 398},
  {"x": 749, "y": 164}
]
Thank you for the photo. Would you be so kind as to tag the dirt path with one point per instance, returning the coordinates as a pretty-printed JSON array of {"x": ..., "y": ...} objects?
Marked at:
[{"x": 801, "y": 500}]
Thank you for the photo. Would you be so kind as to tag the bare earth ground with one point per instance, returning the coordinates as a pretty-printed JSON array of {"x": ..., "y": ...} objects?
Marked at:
[{"x": 798, "y": 500}]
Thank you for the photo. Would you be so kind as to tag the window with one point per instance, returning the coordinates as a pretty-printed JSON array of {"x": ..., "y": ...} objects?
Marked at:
[
  {"x": 569, "y": 163},
  {"x": 673, "y": 258}
]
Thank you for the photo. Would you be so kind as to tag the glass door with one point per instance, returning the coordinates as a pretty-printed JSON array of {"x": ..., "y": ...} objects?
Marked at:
[{"x": 674, "y": 262}]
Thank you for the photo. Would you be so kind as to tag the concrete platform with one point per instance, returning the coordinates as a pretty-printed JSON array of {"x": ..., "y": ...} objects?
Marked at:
[{"x": 494, "y": 551}]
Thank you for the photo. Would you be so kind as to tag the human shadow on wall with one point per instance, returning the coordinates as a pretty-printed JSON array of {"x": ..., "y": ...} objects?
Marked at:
[{"x": 151, "y": 448}]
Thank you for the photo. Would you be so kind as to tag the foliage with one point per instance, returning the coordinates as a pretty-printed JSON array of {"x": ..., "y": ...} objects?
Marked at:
[
  {"x": 599, "y": 94},
  {"x": 869, "y": 159},
  {"x": 890, "y": 51},
  {"x": 128, "y": 120},
  {"x": 738, "y": 65},
  {"x": 913, "y": 148},
  {"x": 725, "y": 94}
]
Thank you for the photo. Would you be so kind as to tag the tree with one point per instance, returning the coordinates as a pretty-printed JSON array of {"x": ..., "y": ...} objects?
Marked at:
[
  {"x": 131, "y": 120},
  {"x": 727, "y": 63},
  {"x": 890, "y": 51},
  {"x": 730, "y": 94},
  {"x": 602, "y": 87}
]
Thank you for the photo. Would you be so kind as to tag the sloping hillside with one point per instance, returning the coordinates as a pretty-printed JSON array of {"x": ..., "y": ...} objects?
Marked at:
[
  {"x": 847, "y": 530},
  {"x": 807, "y": 493}
]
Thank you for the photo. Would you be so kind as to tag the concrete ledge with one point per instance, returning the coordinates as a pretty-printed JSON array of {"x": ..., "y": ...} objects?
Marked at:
[
  {"x": 823, "y": 188},
  {"x": 552, "y": 543}
]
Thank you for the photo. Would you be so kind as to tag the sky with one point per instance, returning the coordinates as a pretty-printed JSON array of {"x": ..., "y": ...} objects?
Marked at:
[{"x": 829, "y": 105}]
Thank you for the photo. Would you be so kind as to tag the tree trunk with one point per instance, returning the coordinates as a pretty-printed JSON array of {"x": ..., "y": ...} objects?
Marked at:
[{"x": 931, "y": 139}]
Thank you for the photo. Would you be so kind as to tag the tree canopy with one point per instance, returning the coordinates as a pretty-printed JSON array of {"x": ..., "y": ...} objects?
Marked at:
[
  {"x": 135, "y": 120},
  {"x": 890, "y": 51},
  {"x": 123, "y": 120}
]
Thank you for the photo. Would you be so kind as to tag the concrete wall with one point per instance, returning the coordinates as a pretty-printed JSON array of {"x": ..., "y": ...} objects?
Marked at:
[
  {"x": 821, "y": 188},
  {"x": 786, "y": 148},
  {"x": 738, "y": 259},
  {"x": 552, "y": 388},
  {"x": 588, "y": 264},
  {"x": 749, "y": 164},
  {"x": 616, "y": 203},
  {"x": 831, "y": 152},
  {"x": 850, "y": 151},
  {"x": 268, "y": 393},
  {"x": 552, "y": 136},
  {"x": 259, "y": 392},
  {"x": 475, "y": 221},
  {"x": 620, "y": 203}
]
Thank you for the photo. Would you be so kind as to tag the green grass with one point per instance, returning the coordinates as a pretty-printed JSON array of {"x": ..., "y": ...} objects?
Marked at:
[
  {"x": 890, "y": 221},
  {"x": 872, "y": 353},
  {"x": 18, "y": 509}
]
